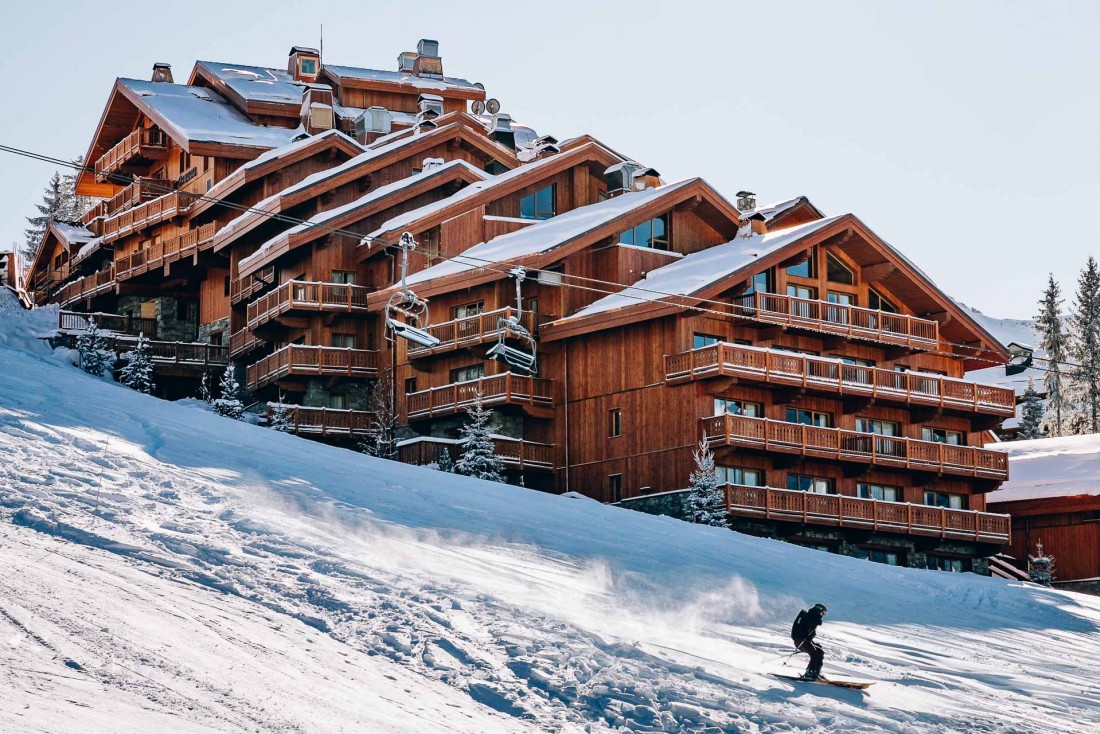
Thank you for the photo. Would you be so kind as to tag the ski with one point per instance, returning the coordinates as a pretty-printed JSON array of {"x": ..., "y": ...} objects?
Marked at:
[{"x": 855, "y": 685}]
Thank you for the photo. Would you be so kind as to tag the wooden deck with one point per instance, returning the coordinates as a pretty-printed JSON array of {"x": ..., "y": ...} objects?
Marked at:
[
  {"x": 855, "y": 512},
  {"x": 134, "y": 325},
  {"x": 300, "y": 359},
  {"x": 87, "y": 287},
  {"x": 324, "y": 421},
  {"x": 851, "y": 446},
  {"x": 164, "y": 252},
  {"x": 470, "y": 331},
  {"x": 535, "y": 394},
  {"x": 832, "y": 376},
  {"x": 513, "y": 452},
  {"x": 155, "y": 210},
  {"x": 304, "y": 296},
  {"x": 241, "y": 289},
  {"x": 144, "y": 143},
  {"x": 243, "y": 342}
]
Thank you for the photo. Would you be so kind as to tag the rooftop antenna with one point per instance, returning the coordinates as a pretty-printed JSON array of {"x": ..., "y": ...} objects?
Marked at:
[{"x": 321, "y": 50}]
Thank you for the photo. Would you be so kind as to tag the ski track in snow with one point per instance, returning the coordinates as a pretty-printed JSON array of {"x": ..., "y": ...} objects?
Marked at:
[{"x": 144, "y": 583}]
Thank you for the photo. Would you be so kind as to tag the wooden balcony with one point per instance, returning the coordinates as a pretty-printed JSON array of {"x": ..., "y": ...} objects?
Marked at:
[
  {"x": 309, "y": 297},
  {"x": 832, "y": 318},
  {"x": 87, "y": 287},
  {"x": 832, "y": 376},
  {"x": 188, "y": 355},
  {"x": 324, "y": 421},
  {"x": 470, "y": 331},
  {"x": 303, "y": 360},
  {"x": 133, "y": 325},
  {"x": 241, "y": 289},
  {"x": 513, "y": 452},
  {"x": 535, "y": 395},
  {"x": 855, "y": 512},
  {"x": 164, "y": 252},
  {"x": 852, "y": 446},
  {"x": 243, "y": 342},
  {"x": 145, "y": 215},
  {"x": 143, "y": 144}
]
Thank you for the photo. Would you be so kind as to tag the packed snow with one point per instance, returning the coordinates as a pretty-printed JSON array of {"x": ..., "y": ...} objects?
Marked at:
[
  {"x": 1050, "y": 467},
  {"x": 166, "y": 569}
]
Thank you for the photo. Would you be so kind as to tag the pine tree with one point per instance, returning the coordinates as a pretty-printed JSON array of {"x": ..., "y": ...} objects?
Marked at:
[
  {"x": 95, "y": 355},
  {"x": 137, "y": 373},
  {"x": 74, "y": 206},
  {"x": 229, "y": 404},
  {"x": 55, "y": 203},
  {"x": 279, "y": 416},
  {"x": 1031, "y": 418},
  {"x": 1052, "y": 340},
  {"x": 380, "y": 439},
  {"x": 1085, "y": 332},
  {"x": 479, "y": 457},
  {"x": 444, "y": 463},
  {"x": 1040, "y": 567},
  {"x": 206, "y": 387},
  {"x": 706, "y": 502}
]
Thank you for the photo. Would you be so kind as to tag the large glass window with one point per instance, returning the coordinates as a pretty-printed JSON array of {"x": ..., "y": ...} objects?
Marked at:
[
  {"x": 698, "y": 341},
  {"x": 466, "y": 374},
  {"x": 879, "y": 492},
  {"x": 838, "y": 272},
  {"x": 890, "y": 558},
  {"x": 738, "y": 475},
  {"x": 880, "y": 427},
  {"x": 943, "y": 435},
  {"x": 942, "y": 563},
  {"x": 653, "y": 233},
  {"x": 946, "y": 499},
  {"x": 800, "y": 308},
  {"x": 733, "y": 406},
  {"x": 539, "y": 205},
  {"x": 467, "y": 310},
  {"x": 803, "y": 268},
  {"x": 806, "y": 483},
  {"x": 809, "y": 417},
  {"x": 879, "y": 302},
  {"x": 343, "y": 341}
]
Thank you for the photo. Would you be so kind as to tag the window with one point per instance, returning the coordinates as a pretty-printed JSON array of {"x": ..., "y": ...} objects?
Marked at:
[
  {"x": 733, "y": 406},
  {"x": 531, "y": 305},
  {"x": 794, "y": 350},
  {"x": 410, "y": 385},
  {"x": 343, "y": 341},
  {"x": 698, "y": 341},
  {"x": 186, "y": 311},
  {"x": 216, "y": 338},
  {"x": 946, "y": 499},
  {"x": 806, "y": 483},
  {"x": 804, "y": 268},
  {"x": 838, "y": 314},
  {"x": 737, "y": 475},
  {"x": 343, "y": 277},
  {"x": 800, "y": 307},
  {"x": 308, "y": 67},
  {"x": 855, "y": 361},
  {"x": 883, "y": 492},
  {"x": 943, "y": 435},
  {"x": 880, "y": 427},
  {"x": 879, "y": 302},
  {"x": 430, "y": 241},
  {"x": 467, "y": 310},
  {"x": 802, "y": 291},
  {"x": 809, "y": 417},
  {"x": 838, "y": 272},
  {"x": 338, "y": 402},
  {"x": 653, "y": 233},
  {"x": 615, "y": 487},
  {"x": 763, "y": 282},
  {"x": 466, "y": 374},
  {"x": 890, "y": 558},
  {"x": 539, "y": 205},
  {"x": 942, "y": 563},
  {"x": 614, "y": 423}
]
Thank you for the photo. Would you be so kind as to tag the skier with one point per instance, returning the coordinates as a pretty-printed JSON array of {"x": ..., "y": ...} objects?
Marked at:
[{"x": 802, "y": 633}]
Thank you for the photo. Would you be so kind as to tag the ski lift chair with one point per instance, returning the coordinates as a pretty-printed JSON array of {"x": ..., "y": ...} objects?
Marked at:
[
  {"x": 519, "y": 359},
  {"x": 405, "y": 307}
]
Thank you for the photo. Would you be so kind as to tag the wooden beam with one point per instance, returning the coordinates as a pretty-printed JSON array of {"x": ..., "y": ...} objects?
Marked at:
[{"x": 877, "y": 271}]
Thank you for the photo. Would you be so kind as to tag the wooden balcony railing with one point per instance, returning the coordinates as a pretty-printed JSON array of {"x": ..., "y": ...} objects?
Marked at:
[
  {"x": 241, "y": 289},
  {"x": 147, "y": 214},
  {"x": 471, "y": 331},
  {"x": 183, "y": 354},
  {"x": 148, "y": 143},
  {"x": 508, "y": 388},
  {"x": 513, "y": 452},
  {"x": 243, "y": 342},
  {"x": 133, "y": 325},
  {"x": 855, "y": 512},
  {"x": 164, "y": 252},
  {"x": 87, "y": 287},
  {"x": 300, "y": 359},
  {"x": 832, "y": 375},
  {"x": 834, "y": 318},
  {"x": 299, "y": 295},
  {"x": 324, "y": 421},
  {"x": 853, "y": 446}
]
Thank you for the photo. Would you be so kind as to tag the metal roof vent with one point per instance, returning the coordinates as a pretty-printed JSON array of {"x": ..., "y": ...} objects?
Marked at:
[
  {"x": 428, "y": 47},
  {"x": 405, "y": 61},
  {"x": 376, "y": 120}
]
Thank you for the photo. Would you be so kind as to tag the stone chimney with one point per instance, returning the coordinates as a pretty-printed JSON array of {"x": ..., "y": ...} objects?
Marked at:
[
  {"x": 162, "y": 72},
  {"x": 746, "y": 201}
]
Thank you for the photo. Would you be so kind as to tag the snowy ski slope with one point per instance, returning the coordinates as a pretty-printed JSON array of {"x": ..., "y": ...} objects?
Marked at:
[{"x": 164, "y": 569}]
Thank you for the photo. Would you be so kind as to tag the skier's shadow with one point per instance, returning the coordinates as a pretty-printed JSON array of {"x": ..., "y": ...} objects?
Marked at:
[{"x": 790, "y": 690}]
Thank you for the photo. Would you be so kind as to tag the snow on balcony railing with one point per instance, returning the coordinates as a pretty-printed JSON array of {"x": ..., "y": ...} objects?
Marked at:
[
  {"x": 504, "y": 388},
  {"x": 472, "y": 330},
  {"x": 298, "y": 295},
  {"x": 323, "y": 421},
  {"x": 514, "y": 452},
  {"x": 300, "y": 359}
]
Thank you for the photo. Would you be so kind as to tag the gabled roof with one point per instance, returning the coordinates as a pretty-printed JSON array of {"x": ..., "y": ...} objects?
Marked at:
[
  {"x": 787, "y": 212},
  {"x": 493, "y": 188},
  {"x": 381, "y": 198},
  {"x": 255, "y": 89},
  {"x": 69, "y": 236},
  {"x": 357, "y": 78}
]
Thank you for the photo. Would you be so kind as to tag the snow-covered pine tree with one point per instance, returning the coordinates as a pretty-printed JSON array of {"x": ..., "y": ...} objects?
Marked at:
[
  {"x": 206, "y": 387},
  {"x": 479, "y": 458},
  {"x": 1085, "y": 333},
  {"x": 55, "y": 202},
  {"x": 137, "y": 373},
  {"x": 279, "y": 419},
  {"x": 229, "y": 404},
  {"x": 1031, "y": 417},
  {"x": 95, "y": 355},
  {"x": 73, "y": 205},
  {"x": 445, "y": 463},
  {"x": 706, "y": 501},
  {"x": 1052, "y": 339},
  {"x": 1040, "y": 567},
  {"x": 380, "y": 439}
]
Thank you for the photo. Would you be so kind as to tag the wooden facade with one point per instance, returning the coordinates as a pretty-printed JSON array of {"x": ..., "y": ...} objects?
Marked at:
[{"x": 823, "y": 358}]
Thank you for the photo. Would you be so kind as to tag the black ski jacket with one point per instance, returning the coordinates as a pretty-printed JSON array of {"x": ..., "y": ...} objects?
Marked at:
[{"x": 805, "y": 625}]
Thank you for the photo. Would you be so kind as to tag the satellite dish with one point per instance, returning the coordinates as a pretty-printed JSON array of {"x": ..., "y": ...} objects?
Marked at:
[
  {"x": 492, "y": 106},
  {"x": 477, "y": 107}
]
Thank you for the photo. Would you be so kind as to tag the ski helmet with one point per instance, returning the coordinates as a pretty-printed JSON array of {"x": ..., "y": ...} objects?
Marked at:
[{"x": 820, "y": 608}]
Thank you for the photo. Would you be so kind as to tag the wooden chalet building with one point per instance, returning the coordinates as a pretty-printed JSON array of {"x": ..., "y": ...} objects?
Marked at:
[{"x": 610, "y": 319}]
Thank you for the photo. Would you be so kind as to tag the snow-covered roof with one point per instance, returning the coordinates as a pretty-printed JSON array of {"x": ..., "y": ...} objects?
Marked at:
[
  {"x": 773, "y": 210},
  {"x": 344, "y": 73},
  {"x": 72, "y": 234},
  {"x": 1049, "y": 468},
  {"x": 198, "y": 114},
  {"x": 546, "y": 235},
  {"x": 700, "y": 269},
  {"x": 87, "y": 249},
  {"x": 256, "y": 83}
]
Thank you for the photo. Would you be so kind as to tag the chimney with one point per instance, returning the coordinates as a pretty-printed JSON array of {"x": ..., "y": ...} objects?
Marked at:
[
  {"x": 746, "y": 201},
  {"x": 501, "y": 130},
  {"x": 427, "y": 63},
  {"x": 430, "y": 106},
  {"x": 620, "y": 177},
  {"x": 162, "y": 72},
  {"x": 759, "y": 224},
  {"x": 317, "y": 113},
  {"x": 304, "y": 64},
  {"x": 406, "y": 61}
]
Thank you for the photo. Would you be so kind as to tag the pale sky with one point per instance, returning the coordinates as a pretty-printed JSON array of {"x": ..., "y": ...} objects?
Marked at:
[{"x": 964, "y": 133}]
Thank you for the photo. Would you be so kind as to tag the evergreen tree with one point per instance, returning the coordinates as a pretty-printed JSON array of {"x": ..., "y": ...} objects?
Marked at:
[
  {"x": 479, "y": 457},
  {"x": 73, "y": 206},
  {"x": 1031, "y": 418},
  {"x": 444, "y": 463},
  {"x": 279, "y": 416},
  {"x": 1052, "y": 340},
  {"x": 706, "y": 501},
  {"x": 55, "y": 203},
  {"x": 206, "y": 387},
  {"x": 1085, "y": 331},
  {"x": 380, "y": 439},
  {"x": 1040, "y": 567},
  {"x": 229, "y": 404},
  {"x": 137, "y": 373},
  {"x": 95, "y": 355}
]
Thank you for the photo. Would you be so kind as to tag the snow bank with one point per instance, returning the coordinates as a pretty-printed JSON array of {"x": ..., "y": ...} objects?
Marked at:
[{"x": 1050, "y": 467}]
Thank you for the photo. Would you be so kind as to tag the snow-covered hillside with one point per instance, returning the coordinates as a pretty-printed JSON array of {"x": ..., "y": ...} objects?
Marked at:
[{"x": 164, "y": 569}]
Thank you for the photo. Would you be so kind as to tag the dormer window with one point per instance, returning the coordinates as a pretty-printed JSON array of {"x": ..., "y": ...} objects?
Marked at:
[
  {"x": 653, "y": 233},
  {"x": 539, "y": 205},
  {"x": 308, "y": 67}
]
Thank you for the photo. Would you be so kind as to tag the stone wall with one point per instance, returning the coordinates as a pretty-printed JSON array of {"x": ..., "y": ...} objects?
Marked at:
[
  {"x": 170, "y": 327},
  {"x": 674, "y": 504},
  {"x": 222, "y": 325}
]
